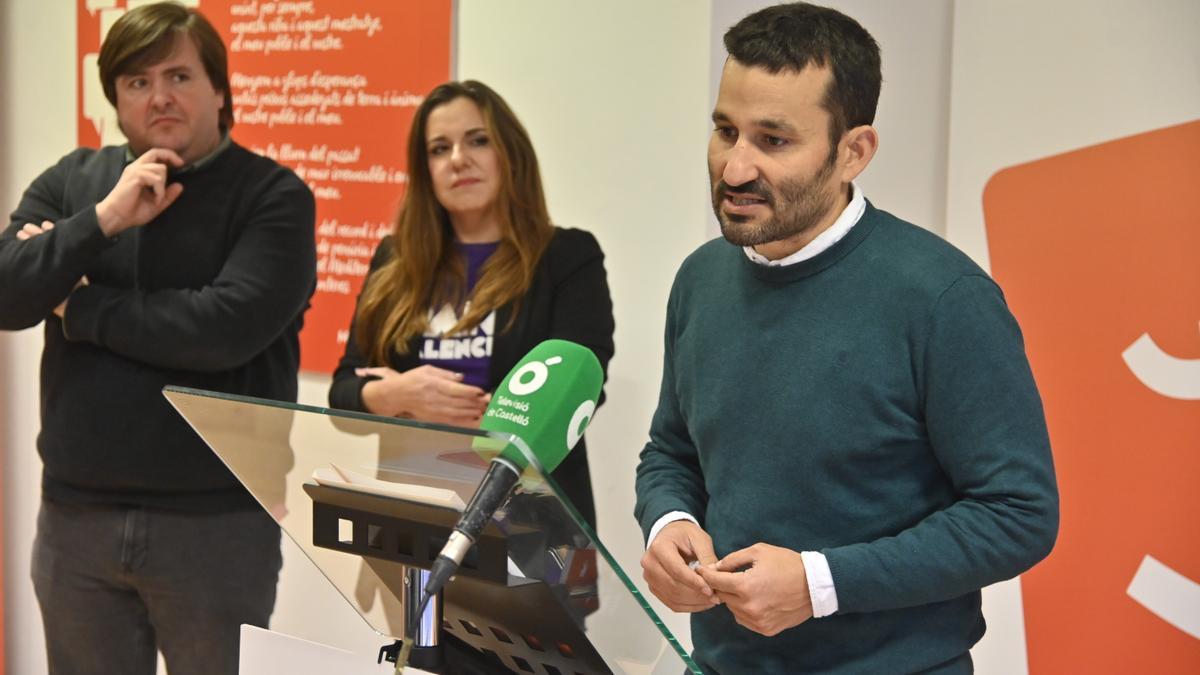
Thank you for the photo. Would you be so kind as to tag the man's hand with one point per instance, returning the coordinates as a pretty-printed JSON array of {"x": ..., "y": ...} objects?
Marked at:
[
  {"x": 769, "y": 594},
  {"x": 29, "y": 231},
  {"x": 665, "y": 567},
  {"x": 141, "y": 193},
  {"x": 427, "y": 393}
]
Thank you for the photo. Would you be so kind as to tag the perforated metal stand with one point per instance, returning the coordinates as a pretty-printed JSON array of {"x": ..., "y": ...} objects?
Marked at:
[{"x": 485, "y": 618}]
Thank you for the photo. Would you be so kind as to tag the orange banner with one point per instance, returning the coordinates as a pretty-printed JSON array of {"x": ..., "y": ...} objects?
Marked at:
[
  {"x": 1098, "y": 252},
  {"x": 328, "y": 89}
]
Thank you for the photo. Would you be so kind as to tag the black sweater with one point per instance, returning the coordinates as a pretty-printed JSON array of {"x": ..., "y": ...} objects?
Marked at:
[
  {"x": 211, "y": 294},
  {"x": 568, "y": 300}
]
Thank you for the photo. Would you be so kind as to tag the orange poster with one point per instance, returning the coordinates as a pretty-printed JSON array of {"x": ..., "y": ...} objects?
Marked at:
[
  {"x": 1098, "y": 251},
  {"x": 327, "y": 88}
]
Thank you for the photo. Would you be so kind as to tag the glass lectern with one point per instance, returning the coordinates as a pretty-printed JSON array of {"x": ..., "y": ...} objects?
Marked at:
[{"x": 371, "y": 500}]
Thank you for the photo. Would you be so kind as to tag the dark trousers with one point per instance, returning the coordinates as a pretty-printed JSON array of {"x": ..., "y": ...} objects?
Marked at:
[{"x": 116, "y": 584}]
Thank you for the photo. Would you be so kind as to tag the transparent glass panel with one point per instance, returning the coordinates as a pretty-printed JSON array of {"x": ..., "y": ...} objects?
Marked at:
[{"x": 366, "y": 496}]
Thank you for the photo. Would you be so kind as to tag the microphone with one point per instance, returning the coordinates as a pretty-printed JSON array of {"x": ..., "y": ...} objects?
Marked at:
[{"x": 547, "y": 400}]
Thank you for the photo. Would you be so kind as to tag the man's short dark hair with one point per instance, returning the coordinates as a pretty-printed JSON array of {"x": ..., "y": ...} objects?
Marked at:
[
  {"x": 793, "y": 36},
  {"x": 148, "y": 34}
]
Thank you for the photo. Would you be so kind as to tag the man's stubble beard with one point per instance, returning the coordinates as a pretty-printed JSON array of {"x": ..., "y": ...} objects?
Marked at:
[{"x": 805, "y": 205}]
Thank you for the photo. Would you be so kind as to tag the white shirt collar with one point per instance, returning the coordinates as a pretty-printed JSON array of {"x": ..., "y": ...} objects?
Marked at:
[{"x": 850, "y": 215}]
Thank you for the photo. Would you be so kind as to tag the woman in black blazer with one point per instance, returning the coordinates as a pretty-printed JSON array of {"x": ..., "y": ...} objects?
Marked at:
[{"x": 471, "y": 278}]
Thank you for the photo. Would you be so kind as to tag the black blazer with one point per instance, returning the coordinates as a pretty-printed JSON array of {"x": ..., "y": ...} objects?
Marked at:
[{"x": 568, "y": 299}]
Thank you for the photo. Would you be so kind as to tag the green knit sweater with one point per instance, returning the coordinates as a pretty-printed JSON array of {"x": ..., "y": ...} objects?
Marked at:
[{"x": 873, "y": 403}]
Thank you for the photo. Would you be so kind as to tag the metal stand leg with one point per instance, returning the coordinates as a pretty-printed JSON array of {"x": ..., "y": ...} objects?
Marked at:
[
  {"x": 435, "y": 651},
  {"x": 429, "y": 624},
  {"x": 427, "y": 653}
]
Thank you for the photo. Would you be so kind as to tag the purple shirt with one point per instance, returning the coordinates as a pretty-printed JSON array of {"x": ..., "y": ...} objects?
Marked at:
[{"x": 467, "y": 353}]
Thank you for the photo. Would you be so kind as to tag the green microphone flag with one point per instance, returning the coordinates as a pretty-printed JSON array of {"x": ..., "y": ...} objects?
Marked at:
[{"x": 547, "y": 400}]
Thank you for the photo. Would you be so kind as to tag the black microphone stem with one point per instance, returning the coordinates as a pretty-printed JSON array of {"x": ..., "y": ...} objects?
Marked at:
[{"x": 497, "y": 483}]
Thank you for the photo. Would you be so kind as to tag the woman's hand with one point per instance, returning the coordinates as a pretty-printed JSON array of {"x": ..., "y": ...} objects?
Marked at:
[{"x": 426, "y": 393}]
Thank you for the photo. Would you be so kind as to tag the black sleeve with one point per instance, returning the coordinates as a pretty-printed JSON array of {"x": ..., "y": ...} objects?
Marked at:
[
  {"x": 37, "y": 274},
  {"x": 265, "y": 283},
  {"x": 582, "y": 310},
  {"x": 346, "y": 390}
]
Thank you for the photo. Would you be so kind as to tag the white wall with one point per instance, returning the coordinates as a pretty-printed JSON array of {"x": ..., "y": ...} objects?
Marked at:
[
  {"x": 37, "y": 114},
  {"x": 1021, "y": 93},
  {"x": 5, "y": 362}
]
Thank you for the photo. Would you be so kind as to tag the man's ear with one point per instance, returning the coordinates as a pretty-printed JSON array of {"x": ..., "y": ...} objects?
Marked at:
[{"x": 857, "y": 148}]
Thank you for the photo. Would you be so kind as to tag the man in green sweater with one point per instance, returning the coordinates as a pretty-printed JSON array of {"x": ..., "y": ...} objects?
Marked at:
[{"x": 849, "y": 443}]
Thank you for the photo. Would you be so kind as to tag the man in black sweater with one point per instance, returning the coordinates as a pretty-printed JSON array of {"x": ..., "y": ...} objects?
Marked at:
[{"x": 183, "y": 259}]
